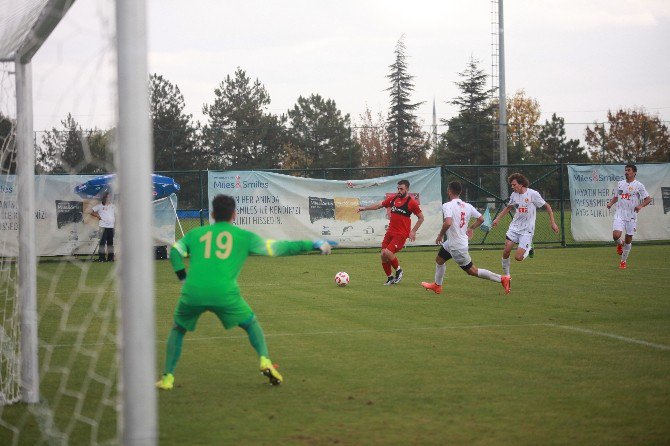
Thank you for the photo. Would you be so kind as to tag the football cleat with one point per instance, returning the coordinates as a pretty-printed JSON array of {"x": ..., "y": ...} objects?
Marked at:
[
  {"x": 390, "y": 280},
  {"x": 432, "y": 286},
  {"x": 619, "y": 248},
  {"x": 531, "y": 253},
  {"x": 269, "y": 370},
  {"x": 622, "y": 265},
  {"x": 166, "y": 382},
  {"x": 506, "y": 282},
  {"x": 398, "y": 275}
]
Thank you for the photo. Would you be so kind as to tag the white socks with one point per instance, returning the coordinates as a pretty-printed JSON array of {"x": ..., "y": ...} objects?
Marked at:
[
  {"x": 626, "y": 251},
  {"x": 505, "y": 266},
  {"x": 486, "y": 274},
  {"x": 439, "y": 273}
]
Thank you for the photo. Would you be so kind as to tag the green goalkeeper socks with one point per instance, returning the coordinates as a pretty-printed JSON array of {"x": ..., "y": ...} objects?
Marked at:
[
  {"x": 256, "y": 336},
  {"x": 174, "y": 343},
  {"x": 176, "y": 339}
]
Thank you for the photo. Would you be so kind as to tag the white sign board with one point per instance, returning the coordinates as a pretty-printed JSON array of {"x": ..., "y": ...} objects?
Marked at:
[
  {"x": 285, "y": 207},
  {"x": 64, "y": 225},
  {"x": 592, "y": 186}
]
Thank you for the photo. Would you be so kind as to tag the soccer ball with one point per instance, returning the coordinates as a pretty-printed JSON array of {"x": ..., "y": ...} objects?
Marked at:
[{"x": 341, "y": 278}]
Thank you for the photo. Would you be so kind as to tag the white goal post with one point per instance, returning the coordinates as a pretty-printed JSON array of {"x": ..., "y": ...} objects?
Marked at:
[
  {"x": 136, "y": 284},
  {"x": 137, "y": 411}
]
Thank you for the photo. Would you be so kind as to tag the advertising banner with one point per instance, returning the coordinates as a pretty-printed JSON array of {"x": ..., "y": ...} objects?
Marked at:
[
  {"x": 63, "y": 223},
  {"x": 285, "y": 207},
  {"x": 591, "y": 188}
]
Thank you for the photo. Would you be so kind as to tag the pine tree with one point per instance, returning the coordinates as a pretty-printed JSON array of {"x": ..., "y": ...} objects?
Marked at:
[
  {"x": 73, "y": 150},
  {"x": 240, "y": 133},
  {"x": 554, "y": 147},
  {"x": 320, "y": 136},
  {"x": 470, "y": 133},
  {"x": 408, "y": 143},
  {"x": 174, "y": 134}
]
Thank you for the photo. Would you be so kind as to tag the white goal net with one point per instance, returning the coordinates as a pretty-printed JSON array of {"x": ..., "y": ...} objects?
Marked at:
[
  {"x": 9, "y": 315},
  {"x": 71, "y": 368}
]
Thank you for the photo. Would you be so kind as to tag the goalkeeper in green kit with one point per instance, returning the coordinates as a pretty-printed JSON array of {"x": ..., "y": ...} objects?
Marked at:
[{"x": 217, "y": 253}]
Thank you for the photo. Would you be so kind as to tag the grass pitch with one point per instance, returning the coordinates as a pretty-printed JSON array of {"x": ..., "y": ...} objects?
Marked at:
[{"x": 578, "y": 353}]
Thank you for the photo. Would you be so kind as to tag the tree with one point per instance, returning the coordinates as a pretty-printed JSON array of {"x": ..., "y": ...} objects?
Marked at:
[
  {"x": 7, "y": 144},
  {"x": 240, "y": 133},
  {"x": 632, "y": 136},
  {"x": 554, "y": 147},
  {"x": 373, "y": 138},
  {"x": 99, "y": 142},
  {"x": 523, "y": 116},
  {"x": 72, "y": 150},
  {"x": 175, "y": 143},
  {"x": 295, "y": 158},
  {"x": 320, "y": 135},
  {"x": 469, "y": 136},
  {"x": 407, "y": 141}
]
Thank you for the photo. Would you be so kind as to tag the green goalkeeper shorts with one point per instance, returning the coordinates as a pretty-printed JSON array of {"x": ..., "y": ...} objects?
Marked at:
[{"x": 230, "y": 314}]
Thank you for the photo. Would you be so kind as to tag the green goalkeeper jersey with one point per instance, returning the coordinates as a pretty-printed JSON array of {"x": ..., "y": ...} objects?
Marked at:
[{"x": 217, "y": 253}]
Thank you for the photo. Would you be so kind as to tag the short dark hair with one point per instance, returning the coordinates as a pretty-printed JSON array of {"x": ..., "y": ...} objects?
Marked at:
[
  {"x": 632, "y": 166},
  {"x": 455, "y": 187},
  {"x": 223, "y": 207},
  {"x": 404, "y": 182},
  {"x": 522, "y": 180}
]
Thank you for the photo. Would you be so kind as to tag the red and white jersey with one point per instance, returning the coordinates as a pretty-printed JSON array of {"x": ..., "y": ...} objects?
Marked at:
[
  {"x": 401, "y": 209},
  {"x": 525, "y": 206},
  {"x": 460, "y": 213},
  {"x": 629, "y": 196}
]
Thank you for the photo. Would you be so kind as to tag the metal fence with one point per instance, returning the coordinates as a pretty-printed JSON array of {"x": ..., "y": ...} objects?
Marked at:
[{"x": 481, "y": 188}]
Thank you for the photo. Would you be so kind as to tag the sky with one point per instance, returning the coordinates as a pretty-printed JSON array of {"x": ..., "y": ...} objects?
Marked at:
[{"x": 577, "y": 58}]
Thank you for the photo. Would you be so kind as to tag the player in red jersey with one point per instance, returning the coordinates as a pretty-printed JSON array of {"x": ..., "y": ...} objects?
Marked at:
[{"x": 402, "y": 206}]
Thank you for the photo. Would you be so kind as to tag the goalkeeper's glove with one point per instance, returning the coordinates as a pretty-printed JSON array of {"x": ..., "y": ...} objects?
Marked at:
[
  {"x": 324, "y": 245},
  {"x": 181, "y": 274}
]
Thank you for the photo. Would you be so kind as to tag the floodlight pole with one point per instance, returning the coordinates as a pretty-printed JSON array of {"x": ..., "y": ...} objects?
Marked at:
[
  {"x": 138, "y": 423},
  {"x": 25, "y": 185},
  {"x": 502, "y": 104}
]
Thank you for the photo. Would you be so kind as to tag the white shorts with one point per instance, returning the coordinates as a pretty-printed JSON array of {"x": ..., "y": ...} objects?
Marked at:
[
  {"x": 522, "y": 238},
  {"x": 626, "y": 226},
  {"x": 460, "y": 256}
]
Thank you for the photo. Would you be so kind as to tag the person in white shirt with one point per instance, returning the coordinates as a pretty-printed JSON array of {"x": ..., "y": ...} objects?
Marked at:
[
  {"x": 104, "y": 212},
  {"x": 630, "y": 196},
  {"x": 457, "y": 215},
  {"x": 525, "y": 202}
]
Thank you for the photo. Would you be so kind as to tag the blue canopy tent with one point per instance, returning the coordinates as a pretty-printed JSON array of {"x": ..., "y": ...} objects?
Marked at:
[
  {"x": 96, "y": 187},
  {"x": 163, "y": 189}
]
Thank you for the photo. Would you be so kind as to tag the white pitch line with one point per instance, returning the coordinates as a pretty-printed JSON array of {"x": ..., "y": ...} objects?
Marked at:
[{"x": 611, "y": 335}]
